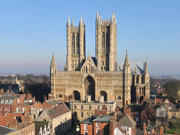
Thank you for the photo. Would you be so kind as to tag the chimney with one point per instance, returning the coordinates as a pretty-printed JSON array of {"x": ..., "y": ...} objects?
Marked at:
[
  {"x": 161, "y": 130},
  {"x": 144, "y": 127},
  {"x": 111, "y": 127},
  {"x": 126, "y": 102},
  {"x": 127, "y": 110},
  {"x": 88, "y": 98},
  {"x": 101, "y": 99}
]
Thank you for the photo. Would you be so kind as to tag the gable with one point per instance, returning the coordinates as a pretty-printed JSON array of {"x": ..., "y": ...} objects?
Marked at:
[
  {"x": 44, "y": 116},
  {"x": 89, "y": 66},
  {"x": 117, "y": 132}
]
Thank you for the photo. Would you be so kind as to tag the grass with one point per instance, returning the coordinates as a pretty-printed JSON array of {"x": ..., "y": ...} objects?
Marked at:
[{"x": 174, "y": 126}]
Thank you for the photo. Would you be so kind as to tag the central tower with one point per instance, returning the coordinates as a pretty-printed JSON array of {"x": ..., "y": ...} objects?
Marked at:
[{"x": 106, "y": 43}]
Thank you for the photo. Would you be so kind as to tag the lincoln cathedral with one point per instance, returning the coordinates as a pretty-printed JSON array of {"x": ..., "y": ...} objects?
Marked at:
[{"x": 100, "y": 75}]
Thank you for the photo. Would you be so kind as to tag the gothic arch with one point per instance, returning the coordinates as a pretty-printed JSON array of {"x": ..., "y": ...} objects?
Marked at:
[
  {"x": 104, "y": 94},
  {"x": 90, "y": 87},
  {"x": 141, "y": 99},
  {"x": 76, "y": 95}
]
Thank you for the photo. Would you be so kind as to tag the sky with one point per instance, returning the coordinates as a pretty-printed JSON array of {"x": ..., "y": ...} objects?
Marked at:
[{"x": 31, "y": 30}]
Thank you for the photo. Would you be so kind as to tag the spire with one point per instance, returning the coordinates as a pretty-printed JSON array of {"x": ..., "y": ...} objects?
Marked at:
[
  {"x": 72, "y": 23},
  {"x": 146, "y": 67},
  {"x": 68, "y": 21},
  {"x": 126, "y": 62},
  {"x": 53, "y": 62},
  {"x": 81, "y": 21}
]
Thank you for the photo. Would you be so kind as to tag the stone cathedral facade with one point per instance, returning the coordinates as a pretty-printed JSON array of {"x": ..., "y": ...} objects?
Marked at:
[{"x": 99, "y": 75}]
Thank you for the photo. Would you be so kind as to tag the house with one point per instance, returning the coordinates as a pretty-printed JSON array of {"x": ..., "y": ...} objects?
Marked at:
[
  {"x": 96, "y": 125},
  {"x": 148, "y": 113},
  {"x": 26, "y": 130},
  {"x": 108, "y": 124},
  {"x": 149, "y": 129},
  {"x": 50, "y": 103},
  {"x": 87, "y": 125},
  {"x": 172, "y": 110},
  {"x": 128, "y": 124},
  {"x": 59, "y": 118}
]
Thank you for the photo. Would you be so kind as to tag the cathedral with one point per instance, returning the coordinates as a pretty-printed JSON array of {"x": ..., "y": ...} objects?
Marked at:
[{"x": 100, "y": 75}]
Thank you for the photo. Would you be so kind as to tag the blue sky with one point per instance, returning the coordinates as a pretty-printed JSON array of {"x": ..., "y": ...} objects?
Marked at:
[{"x": 31, "y": 30}]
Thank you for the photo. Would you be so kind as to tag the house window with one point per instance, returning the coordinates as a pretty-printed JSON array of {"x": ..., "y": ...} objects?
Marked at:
[
  {"x": 85, "y": 126},
  {"x": 74, "y": 106},
  {"x": 85, "y": 133},
  {"x": 2, "y": 101},
  {"x": 18, "y": 101},
  {"x": 81, "y": 114},
  {"x": 119, "y": 98},
  {"x": 97, "y": 124},
  {"x": 11, "y": 101},
  {"x": 97, "y": 131},
  {"x": 81, "y": 106},
  {"x": 6, "y": 102},
  {"x": 1, "y": 109},
  {"x": 23, "y": 109},
  {"x": 18, "y": 109}
]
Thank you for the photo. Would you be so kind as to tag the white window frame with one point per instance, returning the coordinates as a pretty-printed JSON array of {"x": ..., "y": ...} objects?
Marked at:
[
  {"x": 85, "y": 126},
  {"x": 97, "y": 124}
]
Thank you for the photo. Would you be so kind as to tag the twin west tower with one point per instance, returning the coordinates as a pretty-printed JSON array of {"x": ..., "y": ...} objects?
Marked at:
[
  {"x": 98, "y": 76},
  {"x": 106, "y": 44}
]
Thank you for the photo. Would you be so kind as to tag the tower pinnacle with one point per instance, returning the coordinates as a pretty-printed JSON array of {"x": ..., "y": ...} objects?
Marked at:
[
  {"x": 53, "y": 62},
  {"x": 146, "y": 67},
  {"x": 126, "y": 62},
  {"x": 113, "y": 18},
  {"x": 97, "y": 15},
  {"x": 81, "y": 21},
  {"x": 68, "y": 21},
  {"x": 72, "y": 23}
]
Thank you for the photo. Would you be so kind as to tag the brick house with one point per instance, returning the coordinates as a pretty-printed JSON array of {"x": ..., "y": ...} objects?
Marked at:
[{"x": 96, "y": 125}]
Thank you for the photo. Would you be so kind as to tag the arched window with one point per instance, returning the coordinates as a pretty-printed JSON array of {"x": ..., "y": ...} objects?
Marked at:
[
  {"x": 104, "y": 94},
  {"x": 90, "y": 87},
  {"x": 76, "y": 95}
]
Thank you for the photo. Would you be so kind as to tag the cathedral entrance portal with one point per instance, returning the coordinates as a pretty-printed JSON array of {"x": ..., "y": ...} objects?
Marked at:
[{"x": 90, "y": 87}]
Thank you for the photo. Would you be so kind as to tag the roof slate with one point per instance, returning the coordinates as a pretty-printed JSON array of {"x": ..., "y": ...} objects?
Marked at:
[
  {"x": 127, "y": 121},
  {"x": 102, "y": 118},
  {"x": 57, "y": 111},
  {"x": 5, "y": 130}
]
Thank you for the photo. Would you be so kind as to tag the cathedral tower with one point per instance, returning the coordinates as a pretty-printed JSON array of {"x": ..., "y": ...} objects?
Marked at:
[
  {"x": 106, "y": 43},
  {"x": 146, "y": 81},
  {"x": 75, "y": 45}
]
